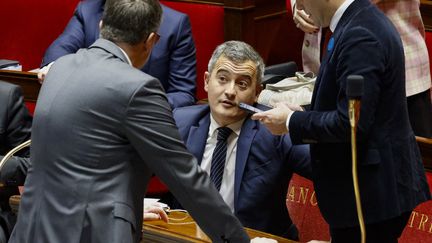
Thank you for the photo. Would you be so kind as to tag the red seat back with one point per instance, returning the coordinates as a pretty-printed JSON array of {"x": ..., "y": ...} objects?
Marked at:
[
  {"x": 302, "y": 206},
  {"x": 304, "y": 211},
  {"x": 207, "y": 23},
  {"x": 419, "y": 227},
  {"x": 30, "y": 26}
]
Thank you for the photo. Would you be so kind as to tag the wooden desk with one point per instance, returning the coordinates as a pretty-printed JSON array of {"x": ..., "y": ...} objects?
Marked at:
[
  {"x": 425, "y": 145},
  {"x": 28, "y": 82},
  {"x": 182, "y": 228}
]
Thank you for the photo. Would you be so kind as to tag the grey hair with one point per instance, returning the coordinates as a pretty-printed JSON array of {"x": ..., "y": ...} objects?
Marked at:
[
  {"x": 130, "y": 21},
  {"x": 238, "y": 52}
]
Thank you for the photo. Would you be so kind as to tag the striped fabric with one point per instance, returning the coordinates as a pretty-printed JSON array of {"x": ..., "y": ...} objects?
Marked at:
[
  {"x": 405, "y": 15},
  {"x": 219, "y": 156}
]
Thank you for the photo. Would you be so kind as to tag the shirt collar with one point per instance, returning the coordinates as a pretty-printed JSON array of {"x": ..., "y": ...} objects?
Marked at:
[
  {"x": 338, "y": 14},
  {"x": 126, "y": 55},
  {"x": 235, "y": 127}
]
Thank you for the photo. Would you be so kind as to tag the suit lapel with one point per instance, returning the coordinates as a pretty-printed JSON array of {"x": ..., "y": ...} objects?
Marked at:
[
  {"x": 244, "y": 143},
  {"x": 347, "y": 16},
  {"x": 197, "y": 145},
  {"x": 322, "y": 69}
]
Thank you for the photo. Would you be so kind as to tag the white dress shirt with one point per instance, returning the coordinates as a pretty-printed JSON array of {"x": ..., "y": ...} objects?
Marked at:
[{"x": 227, "y": 186}]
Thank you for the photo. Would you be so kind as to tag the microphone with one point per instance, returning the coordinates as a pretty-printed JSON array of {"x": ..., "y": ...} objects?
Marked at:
[
  {"x": 354, "y": 92},
  {"x": 13, "y": 151}
]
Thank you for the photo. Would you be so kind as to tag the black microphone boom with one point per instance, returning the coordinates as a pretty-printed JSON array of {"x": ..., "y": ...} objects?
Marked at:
[{"x": 354, "y": 88}]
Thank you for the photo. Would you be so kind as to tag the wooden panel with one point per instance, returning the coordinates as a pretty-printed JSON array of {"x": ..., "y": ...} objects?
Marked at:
[
  {"x": 425, "y": 145},
  {"x": 426, "y": 12},
  {"x": 28, "y": 82},
  {"x": 264, "y": 24}
]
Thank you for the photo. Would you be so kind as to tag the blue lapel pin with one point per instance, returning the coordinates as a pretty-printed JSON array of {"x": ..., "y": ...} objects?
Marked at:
[{"x": 330, "y": 44}]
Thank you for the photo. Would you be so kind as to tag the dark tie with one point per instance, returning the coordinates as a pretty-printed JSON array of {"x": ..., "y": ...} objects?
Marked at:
[
  {"x": 219, "y": 156},
  {"x": 325, "y": 39}
]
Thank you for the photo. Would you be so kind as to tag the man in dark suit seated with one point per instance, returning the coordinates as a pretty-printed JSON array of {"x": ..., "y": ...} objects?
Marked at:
[
  {"x": 15, "y": 124},
  {"x": 391, "y": 176},
  {"x": 257, "y": 167},
  {"x": 172, "y": 60},
  {"x": 101, "y": 129}
]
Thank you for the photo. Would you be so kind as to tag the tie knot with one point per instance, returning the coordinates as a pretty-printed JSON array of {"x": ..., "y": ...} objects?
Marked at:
[{"x": 223, "y": 133}]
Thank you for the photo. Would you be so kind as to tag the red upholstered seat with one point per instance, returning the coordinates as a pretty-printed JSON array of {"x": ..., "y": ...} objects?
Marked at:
[
  {"x": 29, "y": 27},
  {"x": 428, "y": 38},
  {"x": 31, "y": 107},
  {"x": 208, "y": 32},
  {"x": 419, "y": 226},
  {"x": 304, "y": 211},
  {"x": 302, "y": 206}
]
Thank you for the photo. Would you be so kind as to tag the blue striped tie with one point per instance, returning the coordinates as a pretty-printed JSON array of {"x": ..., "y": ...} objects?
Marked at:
[{"x": 219, "y": 156}]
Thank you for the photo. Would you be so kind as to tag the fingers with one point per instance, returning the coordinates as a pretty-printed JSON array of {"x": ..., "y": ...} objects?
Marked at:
[
  {"x": 295, "y": 107},
  {"x": 41, "y": 77},
  {"x": 43, "y": 71},
  {"x": 151, "y": 216},
  {"x": 259, "y": 116},
  {"x": 155, "y": 213},
  {"x": 304, "y": 22}
]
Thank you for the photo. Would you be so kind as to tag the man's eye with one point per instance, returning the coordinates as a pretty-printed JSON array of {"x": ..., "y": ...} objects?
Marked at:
[{"x": 243, "y": 84}]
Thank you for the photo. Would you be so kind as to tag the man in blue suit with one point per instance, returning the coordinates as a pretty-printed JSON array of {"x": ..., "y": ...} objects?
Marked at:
[
  {"x": 258, "y": 165},
  {"x": 390, "y": 171},
  {"x": 172, "y": 60}
]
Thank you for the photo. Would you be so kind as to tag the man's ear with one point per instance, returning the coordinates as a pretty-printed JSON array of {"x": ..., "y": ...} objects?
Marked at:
[
  {"x": 206, "y": 80},
  {"x": 151, "y": 40}
]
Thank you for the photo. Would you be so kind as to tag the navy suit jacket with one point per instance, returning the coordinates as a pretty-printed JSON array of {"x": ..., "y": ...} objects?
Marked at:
[
  {"x": 172, "y": 60},
  {"x": 391, "y": 174},
  {"x": 264, "y": 166}
]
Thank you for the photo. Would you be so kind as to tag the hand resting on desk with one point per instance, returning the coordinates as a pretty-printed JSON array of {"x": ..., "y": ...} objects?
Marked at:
[{"x": 155, "y": 213}]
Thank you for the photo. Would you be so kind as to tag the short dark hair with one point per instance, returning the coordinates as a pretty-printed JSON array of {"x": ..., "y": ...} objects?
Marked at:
[
  {"x": 130, "y": 21},
  {"x": 238, "y": 52}
]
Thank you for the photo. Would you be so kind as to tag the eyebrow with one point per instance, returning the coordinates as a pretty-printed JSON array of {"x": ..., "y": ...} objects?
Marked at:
[{"x": 240, "y": 74}]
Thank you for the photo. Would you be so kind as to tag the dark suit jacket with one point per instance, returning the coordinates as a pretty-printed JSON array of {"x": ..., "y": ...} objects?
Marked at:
[
  {"x": 264, "y": 166},
  {"x": 15, "y": 125},
  {"x": 15, "y": 120},
  {"x": 15, "y": 128},
  {"x": 172, "y": 60},
  {"x": 391, "y": 174},
  {"x": 101, "y": 129}
]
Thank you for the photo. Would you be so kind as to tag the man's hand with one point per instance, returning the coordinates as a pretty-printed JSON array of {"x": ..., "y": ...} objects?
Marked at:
[
  {"x": 262, "y": 240},
  {"x": 43, "y": 72},
  {"x": 303, "y": 21},
  {"x": 155, "y": 213},
  {"x": 276, "y": 118}
]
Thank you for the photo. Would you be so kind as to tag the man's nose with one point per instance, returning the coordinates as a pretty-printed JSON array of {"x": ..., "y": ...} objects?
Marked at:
[{"x": 230, "y": 88}]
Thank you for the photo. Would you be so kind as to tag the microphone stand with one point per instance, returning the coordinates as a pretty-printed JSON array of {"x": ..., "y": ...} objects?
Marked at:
[
  {"x": 355, "y": 90},
  {"x": 13, "y": 151}
]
